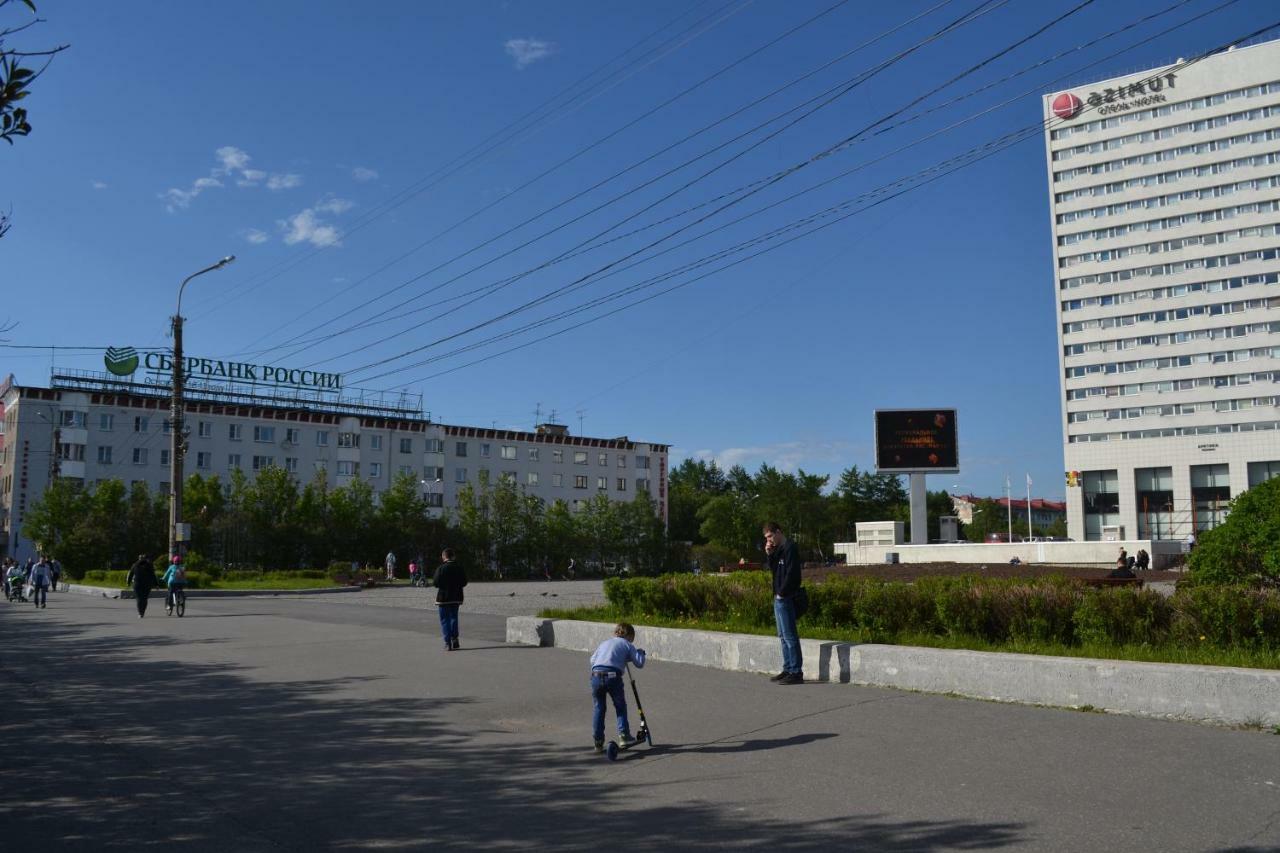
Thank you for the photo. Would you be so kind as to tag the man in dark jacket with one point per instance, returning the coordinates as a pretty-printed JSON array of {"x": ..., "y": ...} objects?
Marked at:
[
  {"x": 783, "y": 558},
  {"x": 142, "y": 577},
  {"x": 449, "y": 580}
]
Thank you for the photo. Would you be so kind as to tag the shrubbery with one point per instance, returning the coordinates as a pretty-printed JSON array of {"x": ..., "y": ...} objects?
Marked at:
[
  {"x": 1042, "y": 610},
  {"x": 1246, "y": 547}
]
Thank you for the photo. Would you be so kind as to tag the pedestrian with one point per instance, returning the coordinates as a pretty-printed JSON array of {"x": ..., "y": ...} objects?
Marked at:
[
  {"x": 572, "y": 570},
  {"x": 175, "y": 578},
  {"x": 16, "y": 580},
  {"x": 391, "y": 566},
  {"x": 1144, "y": 559},
  {"x": 142, "y": 577},
  {"x": 607, "y": 663},
  {"x": 783, "y": 558},
  {"x": 1122, "y": 562},
  {"x": 546, "y": 568},
  {"x": 40, "y": 577},
  {"x": 449, "y": 580},
  {"x": 55, "y": 570},
  {"x": 413, "y": 573}
]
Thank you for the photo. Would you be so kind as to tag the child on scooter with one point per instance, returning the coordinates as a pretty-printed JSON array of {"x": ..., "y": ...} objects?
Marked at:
[{"x": 607, "y": 663}]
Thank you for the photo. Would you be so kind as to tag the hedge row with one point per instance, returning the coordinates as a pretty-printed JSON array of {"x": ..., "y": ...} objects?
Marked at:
[
  {"x": 1053, "y": 609},
  {"x": 203, "y": 578}
]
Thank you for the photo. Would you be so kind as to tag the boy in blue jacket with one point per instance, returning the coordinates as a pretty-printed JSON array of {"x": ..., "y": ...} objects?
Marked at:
[{"x": 607, "y": 663}]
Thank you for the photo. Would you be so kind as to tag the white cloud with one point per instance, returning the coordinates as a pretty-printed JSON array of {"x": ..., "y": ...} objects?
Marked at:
[
  {"x": 232, "y": 159},
  {"x": 284, "y": 182},
  {"x": 362, "y": 174},
  {"x": 256, "y": 237},
  {"x": 306, "y": 226},
  {"x": 787, "y": 456},
  {"x": 98, "y": 185},
  {"x": 250, "y": 177},
  {"x": 528, "y": 51}
]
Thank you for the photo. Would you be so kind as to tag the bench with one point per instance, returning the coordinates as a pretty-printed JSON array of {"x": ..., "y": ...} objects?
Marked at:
[
  {"x": 1103, "y": 583},
  {"x": 347, "y": 579},
  {"x": 741, "y": 567}
]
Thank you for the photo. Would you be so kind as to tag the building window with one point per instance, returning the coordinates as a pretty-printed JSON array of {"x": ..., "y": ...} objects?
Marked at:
[
  {"x": 433, "y": 472},
  {"x": 557, "y": 456},
  {"x": 435, "y": 445},
  {"x": 322, "y": 438},
  {"x": 1101, "y": 492},
  {"x": 622, "y": 460},
  {"x": 483, "y": 475},
  {"x": 579, "y": 457},
  {"x": 642, "y": 485},
  {"x": 71, "y": 452},
  {"x": 321, "y": 465},
  {"x": 348, "y": 439},
  {"x": 533, "y": 454},
  {"x": 1210, "y": 494},
  {"x": 1154, "y": 499},
  {"x": 264, "y": 433},
  {"x": 234, "y": 431},
  {"x": 263, "y": 462},
  {"x": 347, "y": 468},
  {"x": 484, "y": 450},
  {"x": 204, "y": 460},
  {"x": 205, "y": 429},
  {"x": 375, "y": 442},
  {"x": 291, "y": 464},
  {"x": 622, "y": 484},
  {"x": 293, "y": 435},
  {"x": 508, "y": 477},
  {"x": 164, "y": 457},
  {"x": 104, "y": 455},
  {"x": 406, "y": 445},
  {"x": 140, "y": 456},
  {"x": 1260, "y": 472},
  {"x": 74, "y": 419},
  {"x": 233, "y": 460},
  {"x": 508, "y": 451},
  {"x": 602, "y": 483},
  {"x": 460, "y": 475},
  {"x": 580, "y": 481},
  {"x": 604, "y": 459},
  {"x": 532, "y": 478},
  {"x": 642, "y": 462},
  {"x": 557, "y": 480},
  {"x": 140, "y": 423},
  {"x": 434, "y": 499},
  {"x": 106, "y": 423},
  {"x": 375, "y": 469},
  {"x": 166, "y": 426}
]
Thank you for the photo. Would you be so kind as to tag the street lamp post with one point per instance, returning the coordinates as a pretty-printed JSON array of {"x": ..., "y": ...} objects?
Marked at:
[{"x": 177, "y": 442}]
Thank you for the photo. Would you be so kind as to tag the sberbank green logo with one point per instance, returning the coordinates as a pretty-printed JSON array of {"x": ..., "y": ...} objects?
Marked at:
[{"x": 122, "y": 361}]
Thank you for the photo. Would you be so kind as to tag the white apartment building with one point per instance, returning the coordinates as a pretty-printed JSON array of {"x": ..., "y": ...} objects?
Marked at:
[
  {"x": 93, "y": 427},
  {"x": 1165, "y": 190}
]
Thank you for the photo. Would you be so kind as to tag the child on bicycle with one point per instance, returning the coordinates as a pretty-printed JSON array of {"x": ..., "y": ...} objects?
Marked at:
[
  {"x": 607, "y": 663},
  {"x": 174, "y": 579}
]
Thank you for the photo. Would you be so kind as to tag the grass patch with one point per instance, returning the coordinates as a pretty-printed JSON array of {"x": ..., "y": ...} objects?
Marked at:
[{"x": 1201, "y": 655}]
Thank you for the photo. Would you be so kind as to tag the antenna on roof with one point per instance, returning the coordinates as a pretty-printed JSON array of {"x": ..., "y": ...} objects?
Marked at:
[
  {"x": 537, "y": 415},
  {"x": 581, "y": 414}
]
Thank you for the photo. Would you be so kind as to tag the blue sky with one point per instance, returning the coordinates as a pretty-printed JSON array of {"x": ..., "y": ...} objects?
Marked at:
[{"x": 323, "y": 144}]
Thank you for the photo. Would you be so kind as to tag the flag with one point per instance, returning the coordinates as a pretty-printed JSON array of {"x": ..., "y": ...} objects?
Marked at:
[{"x": 1028, "y": 481}]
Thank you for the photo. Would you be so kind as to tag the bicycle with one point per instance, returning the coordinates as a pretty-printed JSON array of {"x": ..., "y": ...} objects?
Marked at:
[{"x": 176, "y": 601}]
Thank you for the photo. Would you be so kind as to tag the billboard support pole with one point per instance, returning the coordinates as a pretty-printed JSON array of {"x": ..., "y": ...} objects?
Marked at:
[{"x": 919, "y": 510}]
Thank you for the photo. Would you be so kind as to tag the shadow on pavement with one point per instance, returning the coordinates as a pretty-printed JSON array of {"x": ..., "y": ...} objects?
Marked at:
[{"x": 121, "y": 752}]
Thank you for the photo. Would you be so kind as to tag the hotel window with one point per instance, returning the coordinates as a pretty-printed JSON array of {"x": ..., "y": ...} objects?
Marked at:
[
  {"x": 642, "y": 485},
  {"x": 557, "y": 456},
  {"x": 293, "y": 435},
  {"x": 140, "y": 423},
  {"x": 205, "y": 429},
  {"x": 557, "y": 480},
  {"x": 348, "y": 439},
  {"x": 642, "y": 462},
  {"x": 1210, "y": 494},
  {"x": 508, "y": 451},
  {"x": 579, "y": 457},
  {"x": 164, "y": 457},
  {"x": 406, "y": 445},
  {"x": 602, "y": 483},
  {"x": 347, "y": 468},
  {"x": 460, "y": 475},
  {"x": 140, "y": 456},
  {"x": 322, "y": 438},
  {"x": 533, "y": 454},
  {"x": 460, "y": 448},
  {"x": 234, "y": 431},
  {"x": 435, "y": 445},
  {"x": 532, "y": 478},
  {"x": 104, "y": 455},
  {"x": 106, "y": 423},
  {"x": 203, "y": 460},
  {"x": 484, "y": 450},
  {"x": 264, "y": 434},
  {"x": 622, "y": 484},
  {"x": 1260, "y": 472},
  {"x": 580, "y": 481},
  {"x": 262, "y": 462},
  {"x": 622, "y": 460},
  {"x": 291, "y": 464},
  {"x": 1154, "y": 496},
  {"x": 375, "y": 442},
  {"x": 604, "y": 459},
  {"x": 233, "y": 461},
  {"x": 1101, "y": 492},
  {"x": 375, "y": 469}
]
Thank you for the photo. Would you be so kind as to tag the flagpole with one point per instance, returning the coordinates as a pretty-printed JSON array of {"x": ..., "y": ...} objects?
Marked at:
[
  {"x": 1008, "y": 503},
  {"x": 1028, "y": 507}
]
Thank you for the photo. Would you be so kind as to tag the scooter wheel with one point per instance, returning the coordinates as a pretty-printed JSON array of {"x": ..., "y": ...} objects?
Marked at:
[{"x": 611, "y": 750}]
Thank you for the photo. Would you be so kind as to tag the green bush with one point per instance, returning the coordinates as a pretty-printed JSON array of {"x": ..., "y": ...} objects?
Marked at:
[
  {"x": 1246, "y": 547},
  {"x": 1123, "y": 616},
  {"x": 116, "y": 578},
  {"x": 1227, "y": 616}
]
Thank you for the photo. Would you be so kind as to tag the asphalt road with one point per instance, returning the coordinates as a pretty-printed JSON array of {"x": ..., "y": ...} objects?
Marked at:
[{"x": 271, "y": 724}]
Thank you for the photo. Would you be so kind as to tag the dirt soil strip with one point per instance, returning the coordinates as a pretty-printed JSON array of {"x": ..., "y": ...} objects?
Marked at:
[{"x": 912, "y": 571}]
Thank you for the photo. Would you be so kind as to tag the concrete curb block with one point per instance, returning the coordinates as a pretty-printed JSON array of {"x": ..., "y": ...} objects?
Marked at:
[
  {"x": 158, "y": 592},
  {"x": 1214, "y": 694}
]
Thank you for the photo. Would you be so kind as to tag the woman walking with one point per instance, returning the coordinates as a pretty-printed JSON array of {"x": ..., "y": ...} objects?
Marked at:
[{"x": 142, "y": 577}]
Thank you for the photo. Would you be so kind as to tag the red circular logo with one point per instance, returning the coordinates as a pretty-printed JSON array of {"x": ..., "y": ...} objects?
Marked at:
[{"x": 1066, "y": 105}]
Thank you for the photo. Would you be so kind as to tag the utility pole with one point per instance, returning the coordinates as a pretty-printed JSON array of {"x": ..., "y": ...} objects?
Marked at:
[{"x": 177, "y": 440}]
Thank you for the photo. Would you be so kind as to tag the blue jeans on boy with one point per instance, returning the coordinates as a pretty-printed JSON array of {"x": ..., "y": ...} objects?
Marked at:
[
  {"x": 784, "y": 613},
  {"x": 607, "y": 681},
  {"x": 449, "y": 623}
]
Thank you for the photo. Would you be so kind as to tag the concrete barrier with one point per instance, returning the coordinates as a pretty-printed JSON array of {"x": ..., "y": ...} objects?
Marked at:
[
  {"x": 158, "y": 592},
  {"x": 1223, "y": 695}
]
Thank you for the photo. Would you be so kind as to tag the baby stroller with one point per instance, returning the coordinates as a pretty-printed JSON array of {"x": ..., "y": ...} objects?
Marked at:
[{"x": 16, "y": 587}]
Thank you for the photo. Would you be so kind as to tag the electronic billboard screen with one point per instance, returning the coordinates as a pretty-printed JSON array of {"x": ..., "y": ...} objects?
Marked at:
[{"x": 917, "y": 440}]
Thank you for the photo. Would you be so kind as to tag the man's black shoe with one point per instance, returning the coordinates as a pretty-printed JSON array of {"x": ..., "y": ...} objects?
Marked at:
[
  {"x": 792, "y": 678},
  {"x": 779, "y": 676}
]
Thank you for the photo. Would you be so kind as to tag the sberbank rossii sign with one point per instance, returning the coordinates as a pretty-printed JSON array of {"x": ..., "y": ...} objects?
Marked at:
[{"x": 123, "y": 361}]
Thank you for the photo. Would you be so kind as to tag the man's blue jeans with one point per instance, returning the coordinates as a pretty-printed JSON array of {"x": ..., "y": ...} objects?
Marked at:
[
  {"x": 40, "y": 593},
  {"x": 784, "y": 613},
  {"x": 448, "y": 622},
  {"x": 610, "y": 683}
]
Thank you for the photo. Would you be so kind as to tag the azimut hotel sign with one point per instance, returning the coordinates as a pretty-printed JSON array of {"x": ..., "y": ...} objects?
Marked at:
[
  {"x": 124, "y": 361},
  {"x": 1116, "y": 99}
]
